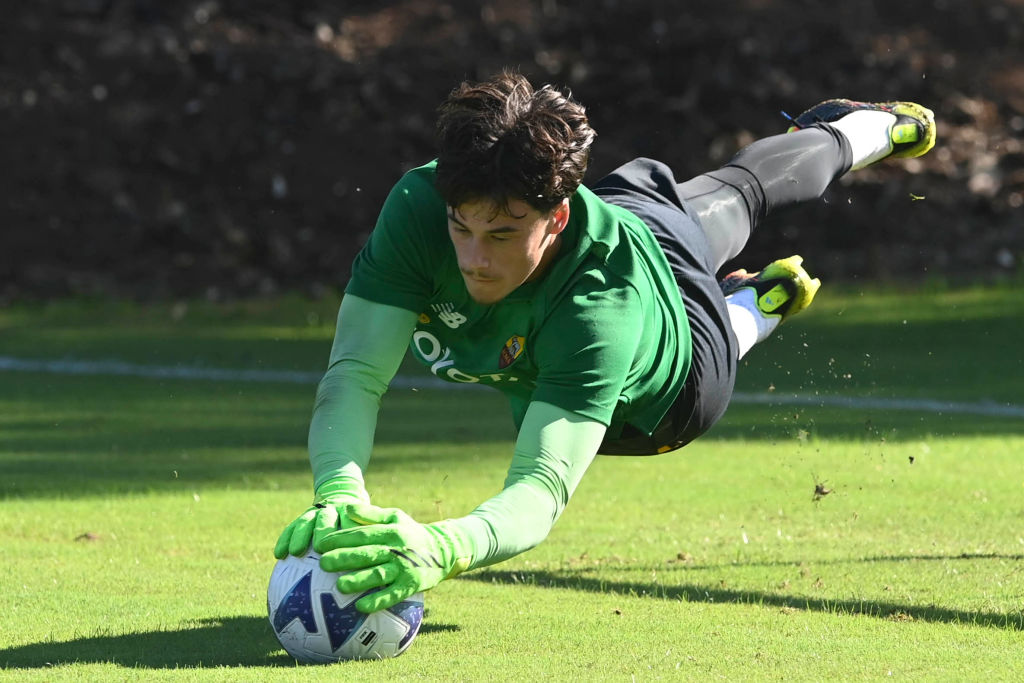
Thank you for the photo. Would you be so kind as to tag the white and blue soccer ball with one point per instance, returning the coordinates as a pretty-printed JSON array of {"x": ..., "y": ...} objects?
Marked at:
[{"x": 317, "y": 624}]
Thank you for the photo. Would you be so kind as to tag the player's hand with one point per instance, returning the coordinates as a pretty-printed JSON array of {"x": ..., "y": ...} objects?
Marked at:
[
  {"x": 326, "y": 514},
  {"x": 394, "y": 552}
]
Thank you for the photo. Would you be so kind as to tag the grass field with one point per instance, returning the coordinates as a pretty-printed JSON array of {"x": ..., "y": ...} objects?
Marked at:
[{"x": 137, "y": 513}]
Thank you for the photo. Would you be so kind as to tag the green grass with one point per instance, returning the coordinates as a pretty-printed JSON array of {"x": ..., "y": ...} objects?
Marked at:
[{"x": 136, "y": 515}]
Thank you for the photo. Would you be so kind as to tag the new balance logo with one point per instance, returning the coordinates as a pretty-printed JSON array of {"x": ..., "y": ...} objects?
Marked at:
[{"x": 447, "y": 314}]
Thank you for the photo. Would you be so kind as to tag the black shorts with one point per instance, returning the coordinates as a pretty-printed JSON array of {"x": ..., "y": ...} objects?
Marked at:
[{"x": 648, "y": 189}]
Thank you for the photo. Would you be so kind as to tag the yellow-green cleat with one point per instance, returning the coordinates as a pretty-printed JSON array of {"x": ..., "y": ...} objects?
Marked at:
[
  {"x": 782, "y": 289},
  {"x": 912, "y": 135}
]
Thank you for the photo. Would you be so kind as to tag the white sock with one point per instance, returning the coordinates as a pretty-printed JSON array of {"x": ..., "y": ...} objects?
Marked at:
[
  {"x": 748, "y": 322},
  {"x": 868, "y": 131}
]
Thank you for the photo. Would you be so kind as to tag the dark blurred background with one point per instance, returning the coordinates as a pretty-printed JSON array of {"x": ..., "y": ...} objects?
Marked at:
[{"x": 225, "y": 148}]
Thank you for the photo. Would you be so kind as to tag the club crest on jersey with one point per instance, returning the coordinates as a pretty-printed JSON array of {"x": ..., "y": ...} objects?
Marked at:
[{"x": 513, "y": 349}]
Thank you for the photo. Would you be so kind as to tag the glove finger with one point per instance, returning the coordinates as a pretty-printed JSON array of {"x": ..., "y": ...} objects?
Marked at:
[
  {"x": 283, "y": 542},
  {"x": 325, "y": 523},
  {"x": 326, "y": 520},
  {"x": 401, "y": 589},
  {"x": 367, "y": 579},
  {"x": 367, "y": 513},
  {"x": 299, "y": 533},
  {"x": 375, "y": 534},
  {"x": 302, "y": 534},
  {"x": 347, "y": 559}
]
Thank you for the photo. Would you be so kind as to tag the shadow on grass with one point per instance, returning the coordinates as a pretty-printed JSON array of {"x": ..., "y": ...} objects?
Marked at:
[
  {"x": 717, "y": 594},
  {"x": 227, "y": 642},
  {"x": 869, "y": 560}
]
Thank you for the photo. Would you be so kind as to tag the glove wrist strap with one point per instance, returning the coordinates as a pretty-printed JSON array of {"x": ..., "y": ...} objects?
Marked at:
[
  {"x": 341, "y": 489},
  {"x": 457, "y": 542}
]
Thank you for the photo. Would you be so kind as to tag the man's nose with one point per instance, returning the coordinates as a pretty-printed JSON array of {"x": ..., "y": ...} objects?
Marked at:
[{"x": 477, "y": 255}]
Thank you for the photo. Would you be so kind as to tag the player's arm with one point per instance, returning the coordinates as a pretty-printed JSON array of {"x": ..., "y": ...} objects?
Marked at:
[
  {"x": 553, "y": 450},
  {"x": 577, "y": 389},
  {"x": 585, "y": 352},
  {"x": 369, "y": 344}
]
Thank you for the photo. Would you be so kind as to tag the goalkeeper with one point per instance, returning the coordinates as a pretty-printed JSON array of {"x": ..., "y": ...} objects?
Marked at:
[{"x": 596, "y": 310}]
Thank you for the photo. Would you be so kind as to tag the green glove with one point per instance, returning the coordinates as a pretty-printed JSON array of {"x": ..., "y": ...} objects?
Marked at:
[
  {"x": 326, "y": 514},
  {"x": 395, "y": 552}
]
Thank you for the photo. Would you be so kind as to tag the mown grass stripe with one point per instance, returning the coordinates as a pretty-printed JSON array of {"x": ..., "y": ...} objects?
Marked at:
[{"x": 68, "y": 366}]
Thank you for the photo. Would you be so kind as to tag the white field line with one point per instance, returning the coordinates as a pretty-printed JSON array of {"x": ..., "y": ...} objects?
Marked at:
[{"x": 65, "y": 366}]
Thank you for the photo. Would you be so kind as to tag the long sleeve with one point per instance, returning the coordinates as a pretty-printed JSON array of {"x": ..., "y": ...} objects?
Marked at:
[
  {"x": 369, "y": 344},
  {"x": 553, "y": 451}
]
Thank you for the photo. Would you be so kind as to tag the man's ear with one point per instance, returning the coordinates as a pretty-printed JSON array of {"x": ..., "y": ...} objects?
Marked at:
[{"x": 560, "y": 216}]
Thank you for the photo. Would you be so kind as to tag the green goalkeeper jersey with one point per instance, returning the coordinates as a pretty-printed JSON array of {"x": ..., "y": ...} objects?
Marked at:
[{"x": 603, "y": 333}]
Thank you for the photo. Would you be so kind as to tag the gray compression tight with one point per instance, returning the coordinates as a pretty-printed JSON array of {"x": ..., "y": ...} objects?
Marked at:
[{"x": 769, "y": 174}]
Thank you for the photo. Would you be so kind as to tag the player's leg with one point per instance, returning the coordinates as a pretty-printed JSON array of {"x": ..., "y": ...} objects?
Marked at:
[
  {"x": 824, "y": 142},
  {"x": 759, "y": 302},
  {"x": 728, "y": 204},
  {"x": 766, "y": 175}
]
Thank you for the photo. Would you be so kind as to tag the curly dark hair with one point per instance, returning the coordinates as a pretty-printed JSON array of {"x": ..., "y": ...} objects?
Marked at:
[{"x": 501, "y": 140}]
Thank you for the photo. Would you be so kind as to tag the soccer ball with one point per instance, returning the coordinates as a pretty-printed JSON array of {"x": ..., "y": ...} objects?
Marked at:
[{"x": 317, "y": 624}]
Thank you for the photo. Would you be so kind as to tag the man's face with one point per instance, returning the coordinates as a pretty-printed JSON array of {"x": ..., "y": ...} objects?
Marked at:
[{"x": 498, "y": 251}]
